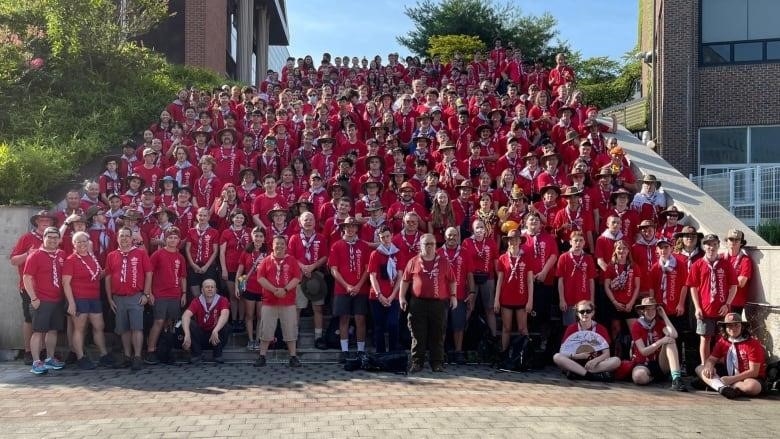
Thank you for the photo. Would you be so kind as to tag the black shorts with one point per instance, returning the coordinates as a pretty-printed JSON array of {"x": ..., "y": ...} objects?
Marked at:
[
  {"x": 231, "y": 276},
  {"x": 655, "y": 369},
  {"x": 196, "y": 279},
  {"x": 252, "y": 297},
  {"x": 26, "y": 306},
  {"x": 50, "y": 316},
  {"x": 347, "y": 305}
]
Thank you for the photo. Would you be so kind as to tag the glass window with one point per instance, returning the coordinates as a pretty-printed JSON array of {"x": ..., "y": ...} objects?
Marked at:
[
  {"x": 714, "y": 13},
  {"x": 744, "y": 52},
  {"x": 772, "y": 50},
  {"x": 762, "y": 19},
  {"x": 716, "y": 53},
  {"x": 720, "y": 146},
  {"x": 764, "y": 144}
]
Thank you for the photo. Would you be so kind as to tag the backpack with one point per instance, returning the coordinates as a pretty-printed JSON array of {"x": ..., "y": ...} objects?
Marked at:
[
  {"x": 393, "y": 362},
  {"x": 521, "y": 354}
]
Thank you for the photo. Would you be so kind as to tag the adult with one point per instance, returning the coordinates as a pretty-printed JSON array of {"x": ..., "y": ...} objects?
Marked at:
[
  {"x": 655, "y": 349},
  {"x": 385, "y": 281},
  {"x": 42, "y": 279},
  {"x": 200, "y": 249},
  {"x": 743, "y": 266},
  {"x": 433, "y": 287},
  {"x": 514, "y": 288},
  {"x": 247, "y": 287},
  {"x": 204, "y": 323},
  {"x": 585, "y": 348},
  {"x": 310, "y": 249},
  {"x": 128, "y": 289},
  {"x": 466, "y": 291},
  {"x": 483, "y": 252}
]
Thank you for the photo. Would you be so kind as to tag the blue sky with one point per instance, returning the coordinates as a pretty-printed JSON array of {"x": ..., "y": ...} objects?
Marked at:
[{"x": 367, "y": 28}]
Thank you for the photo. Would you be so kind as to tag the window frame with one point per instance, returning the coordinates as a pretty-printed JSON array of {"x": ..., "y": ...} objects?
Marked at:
[{"x": 731, "y": 45}]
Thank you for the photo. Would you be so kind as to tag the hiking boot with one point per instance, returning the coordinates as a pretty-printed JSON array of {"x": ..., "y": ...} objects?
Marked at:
[
  {"x": 53, "y": 363},
  {"x": 28, "y": 359},
  {"x": 136, "y": 364},
  {"x": 295, "y": 362},
  {"x": 730, "y": 392},
  {"x": 151, "y": 358},
  {"x": 218, "y": 358},
  {"x": 124, "y": 363},
  {"x": 678, "y": 385},
  {"x": 260, "y": 362},
  {"x": 319, "y": 343},
  {"x": 106, "y": 361},
  {"x": 85, "y": 364},
  {"x": 362, "y": 356},
  {"x": 38, "y": 368},
  {"x": 343, "y": 355},
  {"x": 459, "y": 357},
  {"x": 195, "y": 359}
]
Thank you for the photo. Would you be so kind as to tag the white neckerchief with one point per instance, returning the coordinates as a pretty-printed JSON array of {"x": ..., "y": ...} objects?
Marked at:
[
  {"x": 732, "y": 358},
  {"x": 390, "y": 251},
  {"x": 208, "y": 307}
]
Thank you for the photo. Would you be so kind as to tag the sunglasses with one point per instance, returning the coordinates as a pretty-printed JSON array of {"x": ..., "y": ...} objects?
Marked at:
[{"x": 584, "y": 311}]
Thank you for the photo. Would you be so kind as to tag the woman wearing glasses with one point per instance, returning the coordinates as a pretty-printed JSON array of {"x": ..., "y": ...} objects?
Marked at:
[{"x": 585, "y": 349}]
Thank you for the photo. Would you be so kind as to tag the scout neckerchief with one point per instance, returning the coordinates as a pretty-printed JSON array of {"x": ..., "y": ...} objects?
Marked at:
[
  {"x": 411, "y": 247},
  {"x": 55, "y": 274},
  {"x": 732, "y": 357},
  {"x": 208, "y": 307},
  {"x": 202, "y": 251},
  {"x": 392, "y": 262},
  {"x": 514, "y": 264},
  {"x": 307, "y": 242},
  {"x": 621, "y": 279},
  {"x": 94, "y": 274},
  {"x": 713, "y": 276},
  {"x": 667, "y": 266},
  {"x": 353, "y": 262},
  {"x": 242, "y": 238}
]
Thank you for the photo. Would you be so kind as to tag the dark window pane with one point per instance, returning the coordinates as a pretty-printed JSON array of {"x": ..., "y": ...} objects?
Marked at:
[
  {"x": 748, "y": 52},
  {"x": 773, "y": 50},
  {"x": 716, "y": 54},
  {"x": 721, "y": 146},
  {"x": 763, "y": 144}
]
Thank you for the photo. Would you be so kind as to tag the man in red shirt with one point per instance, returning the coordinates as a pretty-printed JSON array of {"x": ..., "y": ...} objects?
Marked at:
[
  {"x": 744, "y": 357},
  {"x": 205, "y": 322},
  {"x": 279, "y": 275},
  {"x": 460, "y": 260},
  {"x": 28, "y": 243},
  {"x": 713, "y": 285},
  {"x": 310, "y": 249},
  {"x": 348, "y": 262},
  {"x": 169, "y": 288},
  {"x": 743, "y": 266},
  {"x": 42, "y": 279},
  {"x": 128, "y": 289},
  {"x": 433, "y": 287},
  {"x": 576, "y": 272},
  {"x": 266, "y": 201}
]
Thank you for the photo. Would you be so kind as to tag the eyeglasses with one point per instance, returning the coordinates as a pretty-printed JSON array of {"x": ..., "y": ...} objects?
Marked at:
[{"x": 584, "y": 311}]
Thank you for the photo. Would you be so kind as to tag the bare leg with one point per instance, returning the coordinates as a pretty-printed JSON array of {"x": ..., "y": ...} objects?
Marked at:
[
  {"x": 51, "y": 343},
  {"x": 96, "y": 320},
  {"x": 154, "y": 335},
  {"x": 568, "y": 365},
  {"x": 138, "y": 342},
  {"x": 36, "y": 339},
  {"x": 77, "y": 336}
]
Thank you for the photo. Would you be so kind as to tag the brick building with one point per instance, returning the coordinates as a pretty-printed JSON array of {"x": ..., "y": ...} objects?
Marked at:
[
  {"x": 712, "y": 77},
  {"x": 239, "y": 38}
]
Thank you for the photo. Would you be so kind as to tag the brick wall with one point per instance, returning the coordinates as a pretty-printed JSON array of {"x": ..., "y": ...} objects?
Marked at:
[{"x": 205, "y": 32}]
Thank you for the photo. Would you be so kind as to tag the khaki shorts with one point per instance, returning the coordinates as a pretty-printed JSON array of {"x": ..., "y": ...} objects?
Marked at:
[{"x": 287, "y": 315}]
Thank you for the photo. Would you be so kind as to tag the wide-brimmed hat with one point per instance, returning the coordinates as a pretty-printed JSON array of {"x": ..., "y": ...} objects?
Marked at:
[
  {"x": 378, "y": 126},
  {"x": 335, "y": 184},
  {"x": 303, "y": 199},
  {"x": 736, "y": 234},
  {"x": 172, "y": 217},
  {"x": 571, "y": 136},
  {"x": 134, "y": 177},
  {"x": 692, "y": 233},
  {"x": 417, "y": 138},
  {"x": 93, "y": 211},
  {"x": 606, "y": 171},
  {"x": 424, "y": 116},
  {"x": 277, "y": 208},
  {"x": 646, "y": 302},
  {"x": 201, "y": 131},
  {"x": 398, "y": 171},
  {"x": 548, "y": 187},
  {"x": 166, "y": 179},
  {"x": 132, "y": 215},
  {"x": 620, "y": 192},
  {"x": 517, "y": 193},
  {"x": 465, "y": 184},
  {"x": 651, "y": 179},
  {"x": 325, "y": 139},
  {"x": 548, "y": 156},
  {"x": 564, "y": 108},
  {"x": 571, "y": 191},
  {"x": 43, "y": 214},
  {"x": 349, "y": 221},
  {"x": 499, "y": 111},
  {"x": 232, "y": 131},
  {"x": 445, "y": 146},
  {"x": 481, "y": 128},
  {"x": 374, "y": 205},
  {"x": 732, "y": 317},
  {"x": 514, "y": 233},
  {"x": 150, "y": 151},
  {"x": 646, "y": 223},
  {"x": 406, "y": 186},
  {"x": 709, "y": 238},
  {"x": 372, "y": 181},
  {"x": 671, "y": 210},
  {"x": 529, "y": 155}
]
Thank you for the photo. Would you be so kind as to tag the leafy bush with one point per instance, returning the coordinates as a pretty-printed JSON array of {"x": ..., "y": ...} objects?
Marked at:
[{"x": 770, "y": 231}]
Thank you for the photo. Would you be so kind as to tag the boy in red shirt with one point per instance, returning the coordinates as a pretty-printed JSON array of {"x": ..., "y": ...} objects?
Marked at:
[
  {"x": 655, "y": 351},
  {"x": 576, "y": 272},
  {"x": 514, "y": 288}
]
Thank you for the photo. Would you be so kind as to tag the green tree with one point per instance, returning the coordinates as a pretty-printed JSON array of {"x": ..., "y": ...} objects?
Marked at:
[
  {"x": 445, "y": 46},
  {"x": 486, "y": 19},
  {"x": 606, "y": 82}
]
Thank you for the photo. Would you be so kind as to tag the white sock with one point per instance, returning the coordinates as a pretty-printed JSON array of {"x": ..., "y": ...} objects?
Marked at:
[
  {"x": 317, "y": 333},
  {"x": 716, "y": 384},
  {"x": 361, "y": 346},
  {"x": 345, "y": 345}
]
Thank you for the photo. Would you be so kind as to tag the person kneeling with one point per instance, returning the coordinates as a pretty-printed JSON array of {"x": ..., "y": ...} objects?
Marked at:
[
  {"x": 205, "y": 323},
  {"x": 744, "y": 357},
  {"x": 655, "y": 348},
  {"x": 585, "y": 349}
]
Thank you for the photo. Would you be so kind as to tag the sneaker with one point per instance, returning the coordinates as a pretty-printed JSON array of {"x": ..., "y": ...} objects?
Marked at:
[
  {"x": 240, "y": 327},
  {"x": 362, "y": 356},
  {"x": 151, "y": 358},
  {"x": 678, "y": 385},
  {"x": 319, "y": 343},
  {"x": 261, "y": 362},
  {"x": 295, "y": 362},
  {"x": 250, "y": 345},
  {"x": 219, "y": 359},
  {"x": 459, "y": 357},
  {"x": 106, "y": 361},
  {"x": 343, "y": 355},
  {"x": 437, "y": 368},
  {"x": 136, "y": 364},
  {"x": 415, "y": 368},
  {"x": 730, "y": 392},
  {"x": 85, "y": 364},
  {"x": 699, "y": 384},
  {"x": 39, "y": 368},
  {"x": 124, "y": 363},
  {"x": 28, "y": 359},
  {"x": 53, "y": 363},
  {"x": 195, "y": 359},
  {"x": 71, "y": 358}
]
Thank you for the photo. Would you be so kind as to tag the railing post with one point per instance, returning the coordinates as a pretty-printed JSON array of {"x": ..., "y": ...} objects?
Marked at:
[
  {"x": 732, "y": 188},
  {"x": 757, "y": 196}
]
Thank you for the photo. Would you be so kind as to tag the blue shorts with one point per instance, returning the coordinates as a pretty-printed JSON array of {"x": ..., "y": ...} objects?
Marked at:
[{"x": 88, "y": 306}]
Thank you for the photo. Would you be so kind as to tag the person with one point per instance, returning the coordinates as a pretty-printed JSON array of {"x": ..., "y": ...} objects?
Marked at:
[
  {"x": 585, "y": 348},
  {"x": 576, "y": 272},
  {"x": 201, "y": 251},
  {"x": 169, "y": 289},
  {"x": 128, "y": 289},
  {"x": 713, "y": 285},
  {"x": 279, "y": 274},
  {"x": 247, "y": 287},
  {"x": 28, "y": 243},
  {"x": 204, "y": 323},
  {"x": 348, "y": 262},
  {"x": 744, "y": 358},
  {"x": 433, "y": 286},
  {"x": 514, "y": 288},
  {"x": 654, "y": 346},
  {"x": 466, "y": 291},
  {"x": 743, "y": 266},
  {"x": 42, "y": 279},
  {"x": 384, "y": 279},
  {"x": 232, "y": 243},
  {"x": 483, "y": 252},
  {"x": 81, "y": 275},
  {"x": 621, "y": 285},
  {"x": 543, "y": 249}
]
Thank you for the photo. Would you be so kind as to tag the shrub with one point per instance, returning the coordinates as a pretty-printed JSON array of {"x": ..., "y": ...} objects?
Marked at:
[{"x": 770, "y": 231}]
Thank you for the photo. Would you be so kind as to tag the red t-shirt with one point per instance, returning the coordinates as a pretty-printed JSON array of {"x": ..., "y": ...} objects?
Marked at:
[
  {"x": 621, "y": 278},
  {"x": 648, "y": 336},
  {"x": 279, "y": 273},
  {"x": 169, "y": 271},
  {"x": 46, "y": 269},
  {"x": 748, "y": 351},
  {"x": 482, "y": 254},
  {"x": 85, "y": 276},
  {"x": 699, "y": 277},
  {"x": 249, "y": 260},
  {"x": 351, "y": 262},
  {"x": 429, "y": 279},
  {"x": 460, "y": 260},
  {"x": 207, "y": 318},
  {"x": 127, "y": 271},
  {"x": 307, "y": 250},
  {"x": 540, "y": 248},
  {"x": 202, "y": 243},
  {"x": 644, "y": 255},
  {"x": 667, "y": 291},
  {"x": 376, "y": 264},
  {"x": 263, "y": 204},
  {"x": 236, "y": 242},
  {"x": 514, "y": 284},
  {"x": 574, "y": 327},
  {"x": 28, "y": 241},
  {"x": 580, "y": 220},
  {"x": 575, "y": 271},
  {"x": 743, "y": 266}
]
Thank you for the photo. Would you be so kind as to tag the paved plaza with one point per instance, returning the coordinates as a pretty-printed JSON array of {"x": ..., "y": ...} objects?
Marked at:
[{"x": 325, "y": 401}]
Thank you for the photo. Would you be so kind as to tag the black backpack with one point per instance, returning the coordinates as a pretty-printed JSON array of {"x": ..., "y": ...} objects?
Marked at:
[{"x": 521, "y": 354}]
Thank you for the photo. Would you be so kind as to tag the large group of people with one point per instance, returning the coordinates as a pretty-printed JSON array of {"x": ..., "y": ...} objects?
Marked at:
[{"x": 379, "y": 191}]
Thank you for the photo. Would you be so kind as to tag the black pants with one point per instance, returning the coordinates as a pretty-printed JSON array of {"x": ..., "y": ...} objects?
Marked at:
[
  {"x": 428, "y": 323},
  {"x": 200, "y": 340}
]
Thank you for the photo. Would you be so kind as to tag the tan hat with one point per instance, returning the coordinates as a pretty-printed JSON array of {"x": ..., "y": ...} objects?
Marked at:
[
  {"x": 647, "y": 302},
  {"x": 736, "y": 234}
]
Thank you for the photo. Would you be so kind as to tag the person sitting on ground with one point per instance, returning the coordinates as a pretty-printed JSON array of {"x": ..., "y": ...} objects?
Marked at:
[
  {"x": 655, "y": 350},
  {"x": 585, "y": 349},
  {"x": 744, "y": 357},
  {"x": 205, "y": 323}
]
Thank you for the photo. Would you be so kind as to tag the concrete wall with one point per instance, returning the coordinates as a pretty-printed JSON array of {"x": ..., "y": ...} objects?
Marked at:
[{"x": 14, "y": 222}]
